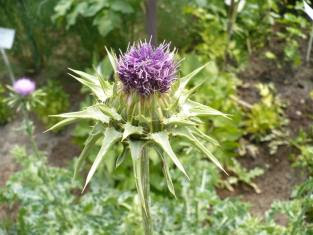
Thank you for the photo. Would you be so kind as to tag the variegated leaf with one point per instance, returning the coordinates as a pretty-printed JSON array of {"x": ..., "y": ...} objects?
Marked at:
[
  {"x": 92, "y": 112},
  {"x": 111, "y": 136},
  {"x": 161, "y": 138},
  {"x": 130, "y": 130},
  {"x": 136, "y": 151}
]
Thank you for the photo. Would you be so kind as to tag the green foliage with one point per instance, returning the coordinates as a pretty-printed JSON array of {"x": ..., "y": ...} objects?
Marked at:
[
  {"x": 36, "y": 37},
  {"x": 266, "y": 115},
  {"x": 5, "y": 111},
  {"x": 95, "y": 20},
  {"x": 56, "y": 100},
  {"x": 294, "y": 30},
  {"x": 304, "y": 144},
  {"x": 106, "y": 209}
]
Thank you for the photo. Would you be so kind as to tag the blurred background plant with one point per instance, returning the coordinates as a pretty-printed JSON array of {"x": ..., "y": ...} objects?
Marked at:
[
  {"x": 5, "y": 111},
  {"x": 55, "y": 101}
]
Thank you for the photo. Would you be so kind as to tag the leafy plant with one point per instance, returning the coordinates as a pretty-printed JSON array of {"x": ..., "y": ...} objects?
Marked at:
[
  {"x": 95, "y": 20},
  {"x": 106, "y": 209},
  {"x": 295, "y": 26},
  {"x": 5, "y": 111},
  {"x": 56, "y": 100},
  {"x": 304, "y": 144},
  {"x": 266, "y": 115}
]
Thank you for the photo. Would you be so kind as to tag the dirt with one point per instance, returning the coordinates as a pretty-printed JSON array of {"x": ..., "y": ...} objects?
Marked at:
[
  {"x": 293, "y": 86},
  {"x": 58, "y": 147}
]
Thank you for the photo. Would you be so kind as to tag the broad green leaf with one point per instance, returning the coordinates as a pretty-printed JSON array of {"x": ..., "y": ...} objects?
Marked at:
[
  {"x": 161, "y": 138},
  {"x": 111, "y": 136},
  {"x": 136, "y": 151},
  {"x": 130, "y": 129},
  {"x": 122, "y": 6},
  {"x": 112, "y": 59},
  {"x": 166, "y": 172},
  {"x": 91, "y": 112},
  {"x": 61, "y": 124},
  {"x": 189, "y": 136},
  {"x": 94, "y": 135}
]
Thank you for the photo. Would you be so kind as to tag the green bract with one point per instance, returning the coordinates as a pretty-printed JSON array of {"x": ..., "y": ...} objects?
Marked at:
[{"x": 140, "y": 123}]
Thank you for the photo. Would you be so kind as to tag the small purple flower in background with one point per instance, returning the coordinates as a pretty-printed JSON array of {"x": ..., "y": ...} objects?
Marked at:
[
  {"x": 147, "y": 69},
  {"x": 24, "y": 86}
]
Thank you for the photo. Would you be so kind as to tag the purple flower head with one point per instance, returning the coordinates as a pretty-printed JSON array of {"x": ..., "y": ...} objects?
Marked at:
[
  {"x": 147, "y": 69},
  {"x": 24, "y": 86}
]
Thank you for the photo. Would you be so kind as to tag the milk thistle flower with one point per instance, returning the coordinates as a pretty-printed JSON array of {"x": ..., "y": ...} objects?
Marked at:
[
  {"x": 24, "y": 86},
  {"x": 147, "y": 69},
  {"x": 145, "y": 107}
]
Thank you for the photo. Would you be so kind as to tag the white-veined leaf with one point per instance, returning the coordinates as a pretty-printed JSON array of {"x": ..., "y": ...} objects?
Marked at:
[
  {"x": 111, "y": 136},
  {"x": 161, "y": 138},
  {"x": 183, "y": 132},
  {"x": 94, "y": 87},
  {"x": 91, "y": 112},
  {"x": 86, "y": 76},
  {"x": 198, "y": 132},
  {"x": 166, "y": 172},
  {"x": 130, "y": 129},
  {"x": 110, "y": 112},
  {"x": 192, "y": 108},
  {"x": 94, "y": 135},
  {"x": 183, "y": 82},
  {"x": 61, "y": 124},
  {"x": 112, "y": 60},
  {"x": 121, "y": 158},
  {"x": 136, "y": 151}
]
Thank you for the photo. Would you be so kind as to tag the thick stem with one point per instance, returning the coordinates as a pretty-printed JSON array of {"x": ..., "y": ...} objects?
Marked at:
[
  {"x": 147, "y": 223},
  {"x": 308, "y": 53}
]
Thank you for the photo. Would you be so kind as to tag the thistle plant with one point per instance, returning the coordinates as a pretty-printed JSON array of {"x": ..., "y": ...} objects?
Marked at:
[
  {"x": 24, "y": 97},
  {"x": 145, "y": 107}
]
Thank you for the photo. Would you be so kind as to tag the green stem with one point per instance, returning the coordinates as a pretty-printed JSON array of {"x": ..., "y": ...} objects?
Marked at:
[
  {"x": 147, "y": 223},
  {"x": 232, "y": 15},
  {"x": 30, "y": 131},
  {"x": 308, "y": 53}
]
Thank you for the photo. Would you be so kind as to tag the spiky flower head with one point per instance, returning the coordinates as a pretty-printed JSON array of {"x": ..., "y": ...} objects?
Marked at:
[
  {"x": 147, "y": 69},
  {"x": 24, "y": 86}
]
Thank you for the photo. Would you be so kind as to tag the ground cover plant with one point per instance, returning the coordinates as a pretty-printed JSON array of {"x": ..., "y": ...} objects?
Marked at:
[{"x": 210, "y": 134}]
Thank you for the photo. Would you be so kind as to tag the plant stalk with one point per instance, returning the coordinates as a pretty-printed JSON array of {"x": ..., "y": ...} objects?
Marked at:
[
  {"x": 232, "y": 15},
  {"x": 147, "y": 223},
  {"x": 308, "y": 53},
  {"x": 30, "y": 131}
]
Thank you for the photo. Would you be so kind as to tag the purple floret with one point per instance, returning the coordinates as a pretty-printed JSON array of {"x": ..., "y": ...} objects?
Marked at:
[
  {"x": 24, "y": 86},
  {"x": 147, "y": 69}
]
